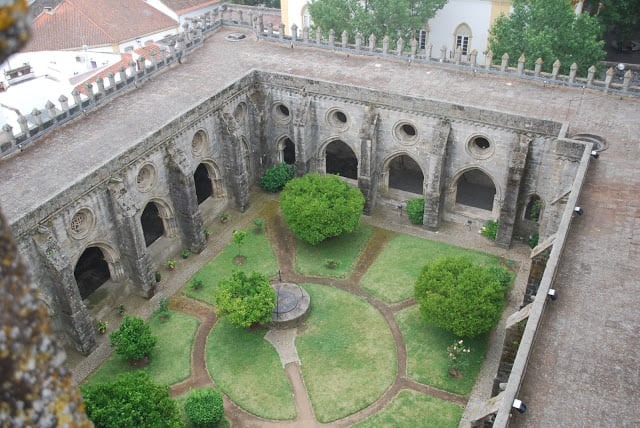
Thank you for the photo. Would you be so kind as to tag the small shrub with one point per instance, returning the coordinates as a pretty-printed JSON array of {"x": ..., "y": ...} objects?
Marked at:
[
  {"x": 245, "y": 300},
  {"x": 224, "y": 217},
  {"x": 533, "y": 240},
  {"x": 158, "y": 276},
  {"x": 331, "y": 264},
  {"x": 171, "y": 264},
  {"x": 197, "y": 284},
  {"x": 207, "y": 233},
  {"x": 458, "y": 357},
  {"x": 163, "y": 309},
  {"x": 258, "y": 225},
  {"x": 275, "y": 178},
  {"x": 120, "y": 309},
  {"x": 204, "y": 408},
  {"x": 101, "y": 326},
  {"x": 239, "y": 236},
  {"x": 490, "y": 229},
  {"x": 186, "y": 253},
  {"x": 415, "y": 210},
  {"x": 535, "y": 210},
  {"x": 133, "y": 339}
]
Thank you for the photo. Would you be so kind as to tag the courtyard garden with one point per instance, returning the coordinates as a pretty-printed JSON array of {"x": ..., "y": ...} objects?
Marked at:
[{"x": 364, "y": 333}]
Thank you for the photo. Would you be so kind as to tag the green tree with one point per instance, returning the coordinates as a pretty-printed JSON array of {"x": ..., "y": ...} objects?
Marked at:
[
  {"x": 317, "y": 207},
  {"x": 460, "y": 296},
  {"x": 550, "y": 30},
  {"x": 245, "y": 300},
  {"x": 267, "y": 3},
  {"x": 239, "y": 236},
  {"x": 277, "y": 176},
  {"x": 131, "y": 400},
  {"x": 395, "y": 18},
  {"x": 133, "y": 339},
  {"x": 204, "y": 408},
  {"x": 621, "y": 16}
]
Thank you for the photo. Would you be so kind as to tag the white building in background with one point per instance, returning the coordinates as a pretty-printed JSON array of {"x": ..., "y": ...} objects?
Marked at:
[{"x": 460, "y": 23}]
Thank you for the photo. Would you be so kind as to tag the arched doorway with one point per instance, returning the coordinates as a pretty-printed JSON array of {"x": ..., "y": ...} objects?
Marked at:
[
  {"x": 341, "y": 160},
  {"x": 476, "y": 189},
  {"x": 204, "y": 186},
  {"x": 405, "y": 174},
  {"x": 91, "y": 271},
  {"x": 288, "y": 151},
  {"x": 152, "y": 225}
]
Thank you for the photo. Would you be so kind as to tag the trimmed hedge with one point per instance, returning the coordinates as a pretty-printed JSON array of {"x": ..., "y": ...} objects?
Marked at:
[
  {"x": 204, "y": 408},
  {"x": 277, "y": 176},
  {"x": 415, "y": 210}
]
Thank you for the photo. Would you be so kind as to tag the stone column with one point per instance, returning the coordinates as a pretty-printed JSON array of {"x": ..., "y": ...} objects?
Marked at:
[
  {"x": 74, "y": 316},
  {"x": 367, "y": 167},
  {"x": 236, "y": 168},
  {"x": 132, "y": 247},
  {"x": 434, "y": 177},
  {"x": 509, "y": 207},
  {"x": 183, "y": 195},
  {"x": 302, "y": 126}
]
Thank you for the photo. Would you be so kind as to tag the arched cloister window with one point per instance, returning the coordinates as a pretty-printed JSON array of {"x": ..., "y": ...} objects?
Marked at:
[
  {"x": 204, "y": 187},
  {"x": 462, "y": 38},
  {"x": 534, "y": 208},
  {"x": 405, "y": 174},
  {"x": 341, "y": 160},
  {"x": 286, "y": 151},
  {"x": 152, "y": 224},
  {"x": 475, "y": 189},
  {"x": 91, "y": 271}
]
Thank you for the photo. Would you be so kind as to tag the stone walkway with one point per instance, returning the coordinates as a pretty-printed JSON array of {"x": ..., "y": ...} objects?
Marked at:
[{"x": 284, "y": 340}]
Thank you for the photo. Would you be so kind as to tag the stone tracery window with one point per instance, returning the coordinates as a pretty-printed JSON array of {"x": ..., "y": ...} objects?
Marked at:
[
  {"x": 81, "y": 223},
  {"x": 146, "y": 177}
]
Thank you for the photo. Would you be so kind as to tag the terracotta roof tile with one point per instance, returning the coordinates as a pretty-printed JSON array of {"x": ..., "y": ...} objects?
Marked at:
[
  {"x": 181, "y": 6},
  {"x": 95, "y": 23}
]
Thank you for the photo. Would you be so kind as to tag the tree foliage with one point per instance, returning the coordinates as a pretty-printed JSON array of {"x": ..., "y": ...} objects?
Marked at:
[
  {"x": 460, "y": 296},
  {"x": 395, "y": 18},
  {"x": 133, "y": 339},
  {"x": 550, "y": 30},
  {"x": 277, "y": 176},
  {"x": 317, "y": 207},
  {"x": 204, "y": 408},
  {"x": 239, "y": 236},
  {"x": 415, "y": 210},
  {"x": 621, "y": 16},
  {"x": 245, "y": 300},
  {"x": 131, "y": 400}
]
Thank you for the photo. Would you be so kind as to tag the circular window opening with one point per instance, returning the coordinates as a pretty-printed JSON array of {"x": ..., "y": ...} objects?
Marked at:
[
  {"x": 240, "y": 113},
  {"x": 281, "y": 113},
  {"x": 146, "y": 178},
  {"x": 409, "y": 130},
  {"x": 405, "y": 132},
  {"x": 337, "y": 119},
  {"x": 198, "y": 142},
  {"x": 81, "y": 223},
  {"x": 480, "y": 147},
  {"x": 481, "y": 143}
]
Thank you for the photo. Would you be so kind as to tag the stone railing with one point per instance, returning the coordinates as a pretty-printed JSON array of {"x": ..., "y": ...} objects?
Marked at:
[{"x": 612, "y": 80}]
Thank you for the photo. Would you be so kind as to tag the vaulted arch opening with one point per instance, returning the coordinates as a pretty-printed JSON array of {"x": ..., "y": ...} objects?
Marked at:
[
  {"x": 341, "y": 160},
  {"x": 152, "y": 225},
  {"x": 476, "y": 189},
  {"x": 533, "y": 209},
  {"x": 204, "y": 186},
  {"x": 91, "y": 271},
  {"x": 288, "y": 152},
  {"x": 405, "y": 174}
]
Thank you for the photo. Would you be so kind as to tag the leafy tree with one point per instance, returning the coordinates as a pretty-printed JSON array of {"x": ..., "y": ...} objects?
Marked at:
[
  {"x": 131, "y": 400},
  {"x": 277, "y": 176},
  {"x": 133, "y": 340},
  {"x": 548, "y": 29},
  {"x": 239, "y": 236},
  {"x": 395, "y": 18},
  {"x": 621, "y": 16},
  {"x": 204, "y": 408},
  {"x": 267, "y": 3},
  {"x": 317, "y": 207},
  {"x": 460, "y": 296},
  {"x": 245, "y": 300}
]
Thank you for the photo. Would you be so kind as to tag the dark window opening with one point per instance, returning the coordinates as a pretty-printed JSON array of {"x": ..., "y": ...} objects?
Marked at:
[
  {"x": 532, "y": 211},
  {"x": 289, "y": 152},
  {"x": 91, "y": 271},
  {"x": 409, "y": 130},
  {"x": 482, "y": 143},
  {"x": 340, "y": 117},
  {"x": 152, "y": 226},
  {"x": 405, "y": 174},
  {"x": 462, "y": 43},
  {"x": 283, "y": 110},
  {"x": 476, "y": 189},
  {"x": 204, "y": 187},
  {"x": 341, "y": 160}
]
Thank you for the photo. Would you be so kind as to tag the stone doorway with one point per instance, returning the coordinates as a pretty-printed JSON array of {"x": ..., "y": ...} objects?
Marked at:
[
  {"x": 341, "y": 160},
  {"x": 287, "y": 151},
  {"x": 91, "y": 271}
]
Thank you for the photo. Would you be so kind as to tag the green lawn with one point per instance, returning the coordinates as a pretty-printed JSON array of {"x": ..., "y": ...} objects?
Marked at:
[
  {"x": 347, "y": 351},
  {"x": 170, "y": 359},
  {"x": 392, "y": 276},
  {"x": 247, "y": 368},
  {"x": 259, "y": 257},
  {"x": 310, "y": 259},
  {"x": 411, "y": 409},
  {"x": 427, "y": 356}
]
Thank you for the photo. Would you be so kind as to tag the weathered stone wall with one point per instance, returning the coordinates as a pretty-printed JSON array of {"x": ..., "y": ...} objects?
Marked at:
[{"x": 239, "y": 132}]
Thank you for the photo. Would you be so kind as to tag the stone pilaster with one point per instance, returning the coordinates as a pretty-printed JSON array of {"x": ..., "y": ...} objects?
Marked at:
[
  {"x": 303, "y": 121},
  {"x": 366, "y": 169},
  {"x": 434, "y": 179},
  {"x": 509, "y": 207},
  {"x": 73, "y": 314},
  {"x": 131, "y": 238},
  {"x": 237, "y": 160},
  {"x": 183, "y": 195}
]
